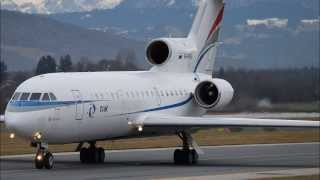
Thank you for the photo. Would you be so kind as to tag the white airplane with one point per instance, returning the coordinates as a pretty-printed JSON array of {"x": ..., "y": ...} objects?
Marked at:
[{"x": 171, "y": 98}]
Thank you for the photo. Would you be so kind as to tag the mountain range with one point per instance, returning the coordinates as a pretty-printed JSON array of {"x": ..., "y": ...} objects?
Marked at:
[
  {"x": 255, "y": 33},
  {"x": 57, "y": 6},
  {"x": 25, "y": 38}
]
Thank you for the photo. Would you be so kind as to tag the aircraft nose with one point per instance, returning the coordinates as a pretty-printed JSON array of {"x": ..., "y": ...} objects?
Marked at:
[
  {"x": 24, "y": 124},
  {"x": 12, "y": 121}
]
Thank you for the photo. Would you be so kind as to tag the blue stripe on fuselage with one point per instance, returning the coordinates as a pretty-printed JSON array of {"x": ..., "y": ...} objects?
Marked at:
[
  {"x": 38, "y": 105},
  {"x": 165, "y": 107}
]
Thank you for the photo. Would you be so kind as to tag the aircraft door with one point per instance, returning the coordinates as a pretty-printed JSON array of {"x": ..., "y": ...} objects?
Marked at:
[
  {"x": 78, "y": 104},
  {"x": 157, "y": 96},
  {"x": 123, "y": 105}
]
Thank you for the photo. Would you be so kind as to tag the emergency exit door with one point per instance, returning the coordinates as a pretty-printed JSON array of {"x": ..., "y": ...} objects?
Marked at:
[{"x": 78, "y": 104}]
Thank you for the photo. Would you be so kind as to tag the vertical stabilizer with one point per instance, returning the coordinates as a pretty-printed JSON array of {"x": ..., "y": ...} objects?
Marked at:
[
  {"x": 205, "y": 32},
  {"x": 196, "y": 53}
]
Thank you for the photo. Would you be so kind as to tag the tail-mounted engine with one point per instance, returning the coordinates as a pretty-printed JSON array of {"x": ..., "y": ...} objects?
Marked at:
[
  {"x": 170, "y": 53},
  {"x": 213, "y": 94},
  {"x": 158, "y": 52}
]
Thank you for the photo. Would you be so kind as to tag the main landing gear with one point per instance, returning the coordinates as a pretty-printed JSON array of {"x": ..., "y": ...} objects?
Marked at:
[
  {"x": 186, "y": 155},
  {"x": 44, "y": 158},
  {"x": 92, "y": 154}
]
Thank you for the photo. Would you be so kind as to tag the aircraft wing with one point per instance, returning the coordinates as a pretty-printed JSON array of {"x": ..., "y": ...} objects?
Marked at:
[{"x": 180, "y": 121}]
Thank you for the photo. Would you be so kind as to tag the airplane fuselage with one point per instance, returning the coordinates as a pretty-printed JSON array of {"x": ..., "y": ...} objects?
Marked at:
[{"x": 100, "y": 105}]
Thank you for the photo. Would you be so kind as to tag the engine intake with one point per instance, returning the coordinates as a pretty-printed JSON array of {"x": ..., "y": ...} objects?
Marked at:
[
  {"x": 158, "y": 52},
  {"x": 213, "y": 94}
]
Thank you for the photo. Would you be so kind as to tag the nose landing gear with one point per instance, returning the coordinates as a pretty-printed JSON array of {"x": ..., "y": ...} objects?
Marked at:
[{"x": 43, "y": 158}]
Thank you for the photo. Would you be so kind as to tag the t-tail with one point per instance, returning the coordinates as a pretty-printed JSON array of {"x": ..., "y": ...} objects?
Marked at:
[{"x": 195, "y": 53}]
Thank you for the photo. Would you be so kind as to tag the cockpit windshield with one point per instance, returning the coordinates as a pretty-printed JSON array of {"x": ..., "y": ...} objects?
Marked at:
[
  {"x": 45, "y": 97},
  {"x": 52, "y": 97},
  {"x": 37, "y": 96},
  {"x": 16, "y": 96},
  {"x": 24, "y": 96}
]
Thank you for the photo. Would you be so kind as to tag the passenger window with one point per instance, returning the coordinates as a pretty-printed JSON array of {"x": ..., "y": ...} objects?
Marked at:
[
  {"x": 161, "y": 92},
  {"x": 171, "y": 93},
  {"x": 52, "y": 97},
  {"x": 45, "y": 97},
  {"x": 167, "y": 93},
  {"x": 35, "y": 96},
  {"x": 176, "y": 92},
  {"x": 16, "y": 96},
  {"x": 24, "y": 96}
]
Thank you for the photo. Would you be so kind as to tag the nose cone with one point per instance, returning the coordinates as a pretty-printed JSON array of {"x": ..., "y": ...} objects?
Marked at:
[
  {"x": 12, "y": 121},
  {"x": 25, "y": 124},
  {"x": 19, "y": 123}
]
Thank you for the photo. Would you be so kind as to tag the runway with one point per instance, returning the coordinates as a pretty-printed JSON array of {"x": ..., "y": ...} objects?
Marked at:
[{"x": 158, "y": 163}]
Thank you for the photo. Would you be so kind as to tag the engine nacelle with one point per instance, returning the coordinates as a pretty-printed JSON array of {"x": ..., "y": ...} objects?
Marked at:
[
  {"x": 213, "y": 94},
  {"x": 162, "y": 50},
  {"x": 158, "y": 52}
]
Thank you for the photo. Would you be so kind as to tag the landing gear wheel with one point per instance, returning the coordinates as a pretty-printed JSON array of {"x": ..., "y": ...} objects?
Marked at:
[
  {"x": 177, "y": 156},
  {"x": 92, "y": 155},
  {"x": 102, "y": 155},
  {"x": 48, "y": 161},
  {"x": 38, "y": 160},
  {"x": 195, "y": 156},
  {"x": 189, "y": 157},
  {"x": 185, "y": 157},
  {"x": 83, "y": 152}
]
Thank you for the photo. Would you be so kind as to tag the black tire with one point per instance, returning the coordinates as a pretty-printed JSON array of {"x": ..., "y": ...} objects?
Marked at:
[
  {"x": 177, "y": 156},
  {"x": 48, "y": 161},
  {"x": 92, "y": 155},
  {"x": 84, "y": 155},
  {"x": 188, "y": 157},
  {"x": 102, "y": 155},
  {"x": 184, "y": 157},
  {"x": 95, "y": 155},
  {"x": 195, "y": 156},
  {"x": 39, "y": 163}
]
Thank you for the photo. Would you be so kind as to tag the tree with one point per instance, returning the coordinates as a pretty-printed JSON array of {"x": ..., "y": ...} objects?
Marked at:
[
  {"x": 130, "y": 60},
  {"x": 65, "y": 64},
  {"x": 3, "y": 70},
  {"x": 46, "y": 64}
]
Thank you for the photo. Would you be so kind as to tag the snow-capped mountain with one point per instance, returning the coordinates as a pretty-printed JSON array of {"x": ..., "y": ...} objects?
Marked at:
[
  {"x": 67, "y": 6},
  {"x": 256, "y": 33},
  {"x": 57, "y": 6}
]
